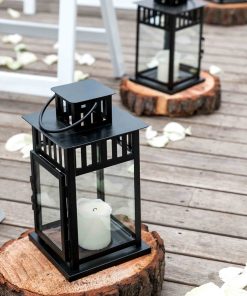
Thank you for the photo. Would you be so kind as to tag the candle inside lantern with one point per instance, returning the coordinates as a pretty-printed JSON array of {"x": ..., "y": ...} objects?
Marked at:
[
  {"x": 163, "y": 65},
  {"x": 94, "y": 224}
]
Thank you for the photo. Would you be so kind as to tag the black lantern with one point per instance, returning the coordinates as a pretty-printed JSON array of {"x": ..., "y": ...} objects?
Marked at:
[
  {"x": 169, "y": 44},
  {"x": 86, "y": 181}
]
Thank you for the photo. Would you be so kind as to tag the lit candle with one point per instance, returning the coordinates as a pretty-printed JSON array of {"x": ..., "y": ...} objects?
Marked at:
[
  {"x": 94, "y": 224},
  {"x": 163, "y": 65}
]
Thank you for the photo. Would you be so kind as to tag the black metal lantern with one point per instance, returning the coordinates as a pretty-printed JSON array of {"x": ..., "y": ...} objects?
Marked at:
[
  {"x": 169, "y": 44},
  {"x": 86, "y": 181}
]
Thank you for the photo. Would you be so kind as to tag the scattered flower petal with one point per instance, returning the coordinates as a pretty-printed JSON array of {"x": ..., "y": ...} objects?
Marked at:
[
  {"x": 20, "y": 47},
  {"x": 26, "y": 58},
  {"x": 158, "y": 142},
  {"x": 229, "y": 273},
  {"x": 209, "y": 289},
  {"x": 2, "y": 215},
  {"x": 50, "y": 59},
  {"x": 17, "y": 142},
  {"x": 85, "y": 59},
  {"x": 175, "y": 131},
  {"x": 12, "y": 38},
  {"x": 14, "y": 65},
  {"x": 230, "y": 291},
  {"x": 238, "y": 282},
  {"x": 13, "y": 13},
  {"x": 26, "y": 150},
  {"x": 5, "y": 60},
  {"x": 150, "y": 133},
  {"x": 214, "y": 70},
  {"x": 55, "y": 46},
  {"x": 79, "y": 75}
]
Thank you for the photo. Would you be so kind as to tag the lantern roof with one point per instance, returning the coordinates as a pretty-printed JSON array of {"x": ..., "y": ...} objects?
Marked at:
[
  {"x": 82, "y": 91},
  {"x": 172, "y": 10},
  {"x": 122, "y": 123}
]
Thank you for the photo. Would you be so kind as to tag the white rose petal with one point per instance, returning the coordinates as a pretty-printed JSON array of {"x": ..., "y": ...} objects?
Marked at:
[
  {"x": 13, "y": 13},
  {"x": 231, "y": 291},
  {"x": 20, "y": 47},
  {"x": 50, "y": 59},
  {"x": 150, "y": 133},
  {"x": 26, "y": 58},
  {"x": 229, "y": 273},
  {"x": 238, "y": 282},
  {"x": 85, "y": 59},
  {"x": 14, "y": 65},
  {"x": 158, "y": 142},
  {"x": 209, "y": 289},
  {"x": 12, "y": 39},
  {"x": 26, "y": 151},
  {"x": 175, "y": 131},
  {"x": 17, "y": 142},
  {"x": 214, "y": 70},
  {"x": 5, "y": 60},
  {"x": 55, "y": 46},
  {"x": 79, "y": 75}
]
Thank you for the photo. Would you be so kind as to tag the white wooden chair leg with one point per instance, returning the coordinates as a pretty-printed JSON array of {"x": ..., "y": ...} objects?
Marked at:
[
  {"x": 29, "y": 6},
  {"x": 111, "y": 26},
  {"x": 66, "y": 40}
]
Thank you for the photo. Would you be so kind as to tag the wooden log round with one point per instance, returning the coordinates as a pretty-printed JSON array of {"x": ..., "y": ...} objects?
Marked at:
[
  {"x": 25, "y": 271},
  {"x": 202, "y": 98},
  {"x": 230, "y": 14}
]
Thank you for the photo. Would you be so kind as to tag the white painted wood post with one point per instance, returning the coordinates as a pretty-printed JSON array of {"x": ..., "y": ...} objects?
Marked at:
[
  {"x": 29, "y": 6},
  {"x": 112, "y": 32},
  {"x": 66, "y": 40}
]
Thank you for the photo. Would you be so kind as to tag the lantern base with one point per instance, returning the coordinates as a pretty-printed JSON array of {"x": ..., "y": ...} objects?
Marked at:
[
  {"x": 203, "y": 98},
  {"x": 94, "y": 265},
  {"x": 163, "y": 88}
]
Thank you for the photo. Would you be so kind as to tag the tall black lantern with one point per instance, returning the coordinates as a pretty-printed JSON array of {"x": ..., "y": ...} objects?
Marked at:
[
  {"x": 86, "y": 181},
  {"x": 169, "y": 44}
]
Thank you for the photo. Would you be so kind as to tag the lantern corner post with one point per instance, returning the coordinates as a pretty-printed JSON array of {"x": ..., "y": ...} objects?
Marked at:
[
  {"x": 136, "y": 152},
  {"x": 171, "y": 36},
  {"x": 71, "y": 209}
]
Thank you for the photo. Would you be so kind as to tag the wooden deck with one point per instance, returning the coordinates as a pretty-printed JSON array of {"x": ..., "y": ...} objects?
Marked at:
[{"x": 193, "y": 192}]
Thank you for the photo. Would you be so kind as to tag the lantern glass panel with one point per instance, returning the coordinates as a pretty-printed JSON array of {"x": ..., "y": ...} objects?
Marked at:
[
  {"x": 48, "y": 197},
  {"x": 105, "y": 209},
  {"x": 186, "y": 58},
  {"x": 153, "y": 56}
]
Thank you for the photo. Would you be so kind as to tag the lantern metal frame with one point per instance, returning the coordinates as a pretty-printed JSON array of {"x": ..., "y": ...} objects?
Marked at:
[
  {"x": 56, "y": 153},
  {"x": 171, "y": 18}
]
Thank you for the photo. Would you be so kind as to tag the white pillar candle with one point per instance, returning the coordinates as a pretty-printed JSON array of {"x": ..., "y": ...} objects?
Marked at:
[
  {"x": 163, "y": 65},
  {"x": 94, "y": 223}
]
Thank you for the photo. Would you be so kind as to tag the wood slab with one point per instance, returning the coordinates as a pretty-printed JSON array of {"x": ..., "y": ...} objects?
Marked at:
[
  {"x": 230, "y": 14},
  {"x": 25, "y": 271},
  {"x": 202, "y": 98}
]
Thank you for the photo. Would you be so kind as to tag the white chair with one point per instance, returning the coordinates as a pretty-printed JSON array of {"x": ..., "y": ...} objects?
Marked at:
[{"x": 67, "y": 33}]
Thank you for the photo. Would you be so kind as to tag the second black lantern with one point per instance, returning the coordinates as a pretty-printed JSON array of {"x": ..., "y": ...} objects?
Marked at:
[{"x": 169, "y": 44}]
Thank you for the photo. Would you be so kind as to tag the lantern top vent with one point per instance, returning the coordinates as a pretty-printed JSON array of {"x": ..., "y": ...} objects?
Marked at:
[
  {"x": 173, "y": 10},
  {"x": 82, "y": 91},
  {"x": 171, "y": 2}
]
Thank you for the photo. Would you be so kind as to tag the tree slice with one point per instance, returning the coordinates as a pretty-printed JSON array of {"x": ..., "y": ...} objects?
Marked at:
[
  {"x": 202, "y": 98},
  {"x": 25, "y": 271},
  {"x": 230, "y": 14}
]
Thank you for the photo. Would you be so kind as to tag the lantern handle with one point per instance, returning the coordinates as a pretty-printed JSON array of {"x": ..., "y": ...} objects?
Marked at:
[{"x": 65, "y": 128}]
